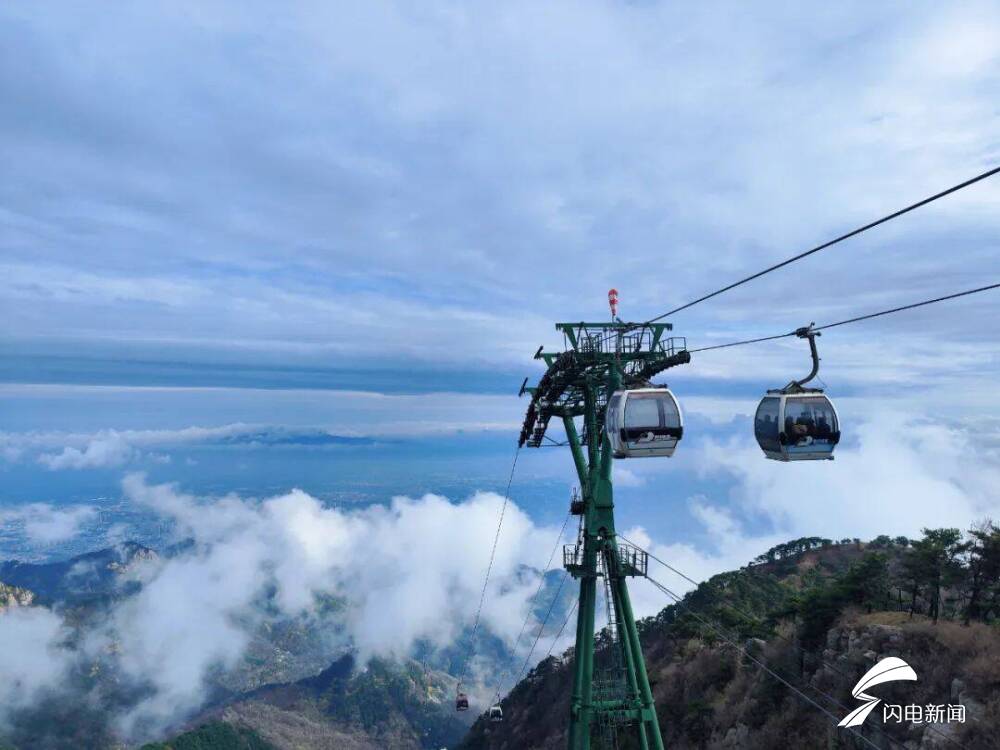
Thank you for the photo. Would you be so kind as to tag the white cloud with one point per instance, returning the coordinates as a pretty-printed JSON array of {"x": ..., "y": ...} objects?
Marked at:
[
  {"x": 411, "y": 571},
  {"x": 48, "y": 524},
  {"x": 903, "y": 474},
  {"x": 107, "y": 449},
  {"x": 627, "y": 477},
  {"x": 309, "y": 414},
  {"x": 32, "y": 654}
]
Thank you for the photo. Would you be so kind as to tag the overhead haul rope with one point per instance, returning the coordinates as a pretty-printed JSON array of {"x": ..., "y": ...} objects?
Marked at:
[
  {"x": 562, "y": 628},
  {"x": 489, "y": 569},
  {"x": 818, "y": 248},
  {"x": 830, "y": 243},
  {"x": 721, "y": 633},
  {"x": 852, "y": 320},
  {"x": 545, "y": 621},
  {"x": 752, "y": 617},
  {"x": 538, "y": 591}
]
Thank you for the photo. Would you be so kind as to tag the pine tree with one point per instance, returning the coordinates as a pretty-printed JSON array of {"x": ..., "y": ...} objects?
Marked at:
[
  {"x": 935, "y": 563},
  {"x": 982, "y": 553}
]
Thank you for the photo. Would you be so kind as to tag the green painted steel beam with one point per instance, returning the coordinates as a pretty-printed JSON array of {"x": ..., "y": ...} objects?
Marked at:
[{"x": 576, "y": 385}]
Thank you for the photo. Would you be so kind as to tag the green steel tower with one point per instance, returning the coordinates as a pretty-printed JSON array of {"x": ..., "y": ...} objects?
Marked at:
[{"x": 599, "y": 359}]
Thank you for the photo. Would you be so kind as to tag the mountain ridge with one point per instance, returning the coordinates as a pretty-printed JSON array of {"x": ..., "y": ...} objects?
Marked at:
[{"x": 819, "y": 613}]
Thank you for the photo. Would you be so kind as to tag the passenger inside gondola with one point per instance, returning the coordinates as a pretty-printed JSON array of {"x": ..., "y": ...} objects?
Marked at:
[
  {"x": 823, "y": 427},
  {"x": 766, "y": 427},
  {"x": 813, "y": 420},
  {"x": 807, "y": 420}
]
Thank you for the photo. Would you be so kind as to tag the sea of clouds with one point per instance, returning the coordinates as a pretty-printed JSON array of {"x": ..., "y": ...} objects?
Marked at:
[{"x": 411, "y": 572}]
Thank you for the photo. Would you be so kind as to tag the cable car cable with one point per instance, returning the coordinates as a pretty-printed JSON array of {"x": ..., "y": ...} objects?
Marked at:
[
  {"x": 733, "y": 607},
  {"x": 759, "y": 620},
  {"x": 555, "y": 640},
  {"x": 489, "y": 569},
  {"x": 853, "y": 320},
  {"x": 741, "y": 343},
  {"x": 541, "y": 629},
  {"x": 907, "y": 307},
  {"x": 541, "y": 583},
  {"x": 830, "y": 243},
  {"x": 718, "y": 631},
  {"x": 824, "y": 246}
]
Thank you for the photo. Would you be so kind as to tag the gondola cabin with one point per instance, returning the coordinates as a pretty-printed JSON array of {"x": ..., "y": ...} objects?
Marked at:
[
  {"x": 643, "y": 422},
  {"x": 797, "y": 425},
  {"x": 496, "y": 713},
  {"x": 462, "y": 702}
]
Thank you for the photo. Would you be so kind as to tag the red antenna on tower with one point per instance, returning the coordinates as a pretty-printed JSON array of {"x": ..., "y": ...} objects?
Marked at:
[{"x": 613, "y": 303}]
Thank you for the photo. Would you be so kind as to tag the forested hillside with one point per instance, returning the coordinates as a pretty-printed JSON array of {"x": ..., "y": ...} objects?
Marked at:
[
  {"x": 816, "y": 614},
  {"x": 215, "y": 735}
]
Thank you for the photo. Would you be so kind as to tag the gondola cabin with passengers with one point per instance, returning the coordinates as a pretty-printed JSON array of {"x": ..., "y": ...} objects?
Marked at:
[{"x": 796, "y": 423}]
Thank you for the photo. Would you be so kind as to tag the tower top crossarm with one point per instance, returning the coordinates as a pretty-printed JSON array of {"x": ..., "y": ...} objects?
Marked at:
[
  {"x": 615, "y": 337},
  {"x": 636, "y": 352}
]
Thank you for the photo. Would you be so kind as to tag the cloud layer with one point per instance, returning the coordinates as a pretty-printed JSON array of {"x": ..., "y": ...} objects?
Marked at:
[
  {"x": 33, "y": 657},
  {"x": 391, "y": 181},
  {"x": 408, "y": 573}
]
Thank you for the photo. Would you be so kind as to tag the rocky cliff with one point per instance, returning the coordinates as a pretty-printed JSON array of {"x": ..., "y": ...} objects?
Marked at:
[{"x": 14, "y": 596}]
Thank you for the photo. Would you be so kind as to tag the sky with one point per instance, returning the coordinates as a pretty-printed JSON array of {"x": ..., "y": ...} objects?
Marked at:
[
  {"x": 366, "y": 219},
  {"x": 438, "y": 183},
  {"x": 227, "y": 228}
]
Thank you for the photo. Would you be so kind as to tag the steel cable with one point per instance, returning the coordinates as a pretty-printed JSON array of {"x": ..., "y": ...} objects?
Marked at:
[{"x": 489, "y": 570}]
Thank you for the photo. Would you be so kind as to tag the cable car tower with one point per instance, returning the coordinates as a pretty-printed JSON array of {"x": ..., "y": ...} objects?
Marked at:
[{"x": 598, "y": 361}]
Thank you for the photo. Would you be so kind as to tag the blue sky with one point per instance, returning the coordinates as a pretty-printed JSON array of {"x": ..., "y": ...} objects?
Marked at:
[{"x": 209, "y": 211}]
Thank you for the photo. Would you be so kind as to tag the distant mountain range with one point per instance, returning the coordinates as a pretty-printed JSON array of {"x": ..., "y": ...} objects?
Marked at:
[
  {"x": 274, "y": 436},
  {"x": 815, "y": 611},
  {"x": 92, "y": 578}
]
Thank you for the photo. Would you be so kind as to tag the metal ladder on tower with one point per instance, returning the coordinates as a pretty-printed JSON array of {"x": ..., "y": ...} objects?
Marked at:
[{"x": 610, "y": 685}]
